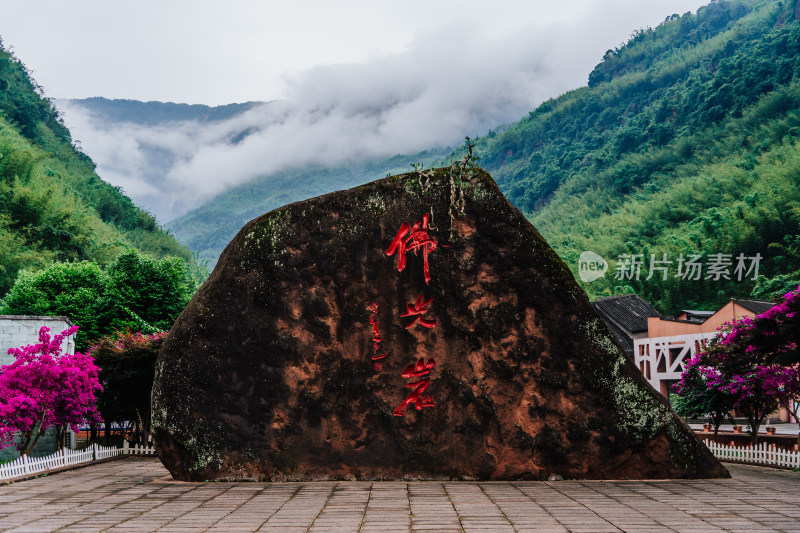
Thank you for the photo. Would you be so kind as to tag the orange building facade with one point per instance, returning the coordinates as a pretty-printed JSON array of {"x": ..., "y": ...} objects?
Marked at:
[{"x": 671, "y": 342}]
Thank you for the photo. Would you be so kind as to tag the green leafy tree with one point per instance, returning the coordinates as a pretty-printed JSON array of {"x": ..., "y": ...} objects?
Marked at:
[
  {"x": 135, "y": 292},
  {"x": 73, "y": 290},
  {"x": 144, "y": 294},
  {"x": 773, "y": 288}
]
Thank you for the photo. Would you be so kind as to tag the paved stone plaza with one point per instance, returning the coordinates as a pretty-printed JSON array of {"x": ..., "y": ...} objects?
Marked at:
[{"x": 136, "y": 494}]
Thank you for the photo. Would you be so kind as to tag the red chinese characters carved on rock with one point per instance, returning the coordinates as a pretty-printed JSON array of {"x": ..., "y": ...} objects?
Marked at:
[
  {"x": 421, "y": 368},
  {"x": 417, "y": 310},
  {"x": 376, "y": 338},
  {"x": 413, "y": 238},
  {"x": 414, "y": 371}
]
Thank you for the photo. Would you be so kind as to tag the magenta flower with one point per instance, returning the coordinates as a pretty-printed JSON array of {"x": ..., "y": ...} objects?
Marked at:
[{"x": 45, "y": 388}]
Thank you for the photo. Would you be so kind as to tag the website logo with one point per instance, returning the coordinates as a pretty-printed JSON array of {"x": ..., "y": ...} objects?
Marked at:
[{"x": 591, "y": 267}]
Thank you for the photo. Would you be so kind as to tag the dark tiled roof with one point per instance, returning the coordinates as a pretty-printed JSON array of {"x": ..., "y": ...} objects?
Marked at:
[
  {"x": 756, "y": 306},
  {"x": 628, "y": 312},
  {"x": 698, "y": 317}
]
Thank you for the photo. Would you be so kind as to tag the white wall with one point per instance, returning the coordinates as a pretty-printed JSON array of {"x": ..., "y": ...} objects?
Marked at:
[{"x": 19, "y": 330}]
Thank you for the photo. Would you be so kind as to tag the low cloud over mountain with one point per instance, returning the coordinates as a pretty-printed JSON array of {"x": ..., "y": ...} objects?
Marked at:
[{"x": 445, "y": 86}]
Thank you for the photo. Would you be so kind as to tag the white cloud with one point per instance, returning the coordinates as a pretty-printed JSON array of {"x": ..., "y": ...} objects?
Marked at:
[{"x": 459, "y": 80}]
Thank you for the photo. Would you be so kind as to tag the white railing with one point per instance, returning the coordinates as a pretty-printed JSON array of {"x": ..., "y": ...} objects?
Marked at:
[
  {"x": 25, "y": 466},
  {"x": 762, "y": 453},
  {"x": 104, "y": 452}
]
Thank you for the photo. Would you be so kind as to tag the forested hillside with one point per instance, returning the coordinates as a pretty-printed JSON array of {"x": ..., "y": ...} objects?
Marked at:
[
  {"x": 53, "y": 206},
  {"x": 686, "y": 141}
]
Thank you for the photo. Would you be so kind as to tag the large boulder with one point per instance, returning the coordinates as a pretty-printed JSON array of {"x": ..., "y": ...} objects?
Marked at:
[{"x": 417, "y": 327}]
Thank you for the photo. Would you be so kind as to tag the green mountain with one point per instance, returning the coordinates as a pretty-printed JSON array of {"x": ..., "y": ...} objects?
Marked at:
[
  {"x": 53, "y": 206},
  {"x": 685, "y": 141},
  {"x": 157, "y": 113}
]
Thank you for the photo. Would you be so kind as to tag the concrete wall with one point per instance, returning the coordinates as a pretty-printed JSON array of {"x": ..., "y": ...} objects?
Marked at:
[{"x": 19, "y": 330}]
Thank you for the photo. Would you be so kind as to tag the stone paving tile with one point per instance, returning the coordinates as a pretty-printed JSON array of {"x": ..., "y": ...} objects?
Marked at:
[{"x": 136, "y": 495}]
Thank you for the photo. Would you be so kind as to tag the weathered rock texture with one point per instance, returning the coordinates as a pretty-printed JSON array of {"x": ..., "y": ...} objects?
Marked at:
[{"x": 268, "y": 373}]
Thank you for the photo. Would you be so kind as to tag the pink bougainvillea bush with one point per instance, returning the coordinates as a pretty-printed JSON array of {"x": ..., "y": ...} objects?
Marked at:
[
  {"x": 44, "y": 388},
  {"x": 783, "y": 383},
  {"x": 753, "y": 365},
  {"x": 773, "y": 336},
  {"x": 721, "y": 378}
]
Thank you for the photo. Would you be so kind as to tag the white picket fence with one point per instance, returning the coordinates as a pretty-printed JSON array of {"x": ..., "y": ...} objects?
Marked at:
[
  {"x": 25, "y": 466},
  {"x": 127, "y": 449},
  {"x": 762, "y": 453}
]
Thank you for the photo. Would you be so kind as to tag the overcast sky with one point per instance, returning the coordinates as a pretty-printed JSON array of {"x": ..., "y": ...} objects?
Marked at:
[
  {"x": 212, "y": 52},
  {"x": 355, "y": 79}
]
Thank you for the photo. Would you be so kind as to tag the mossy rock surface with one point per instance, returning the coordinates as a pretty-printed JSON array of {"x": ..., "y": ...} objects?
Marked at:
[{"x": 269, "y": 373}]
